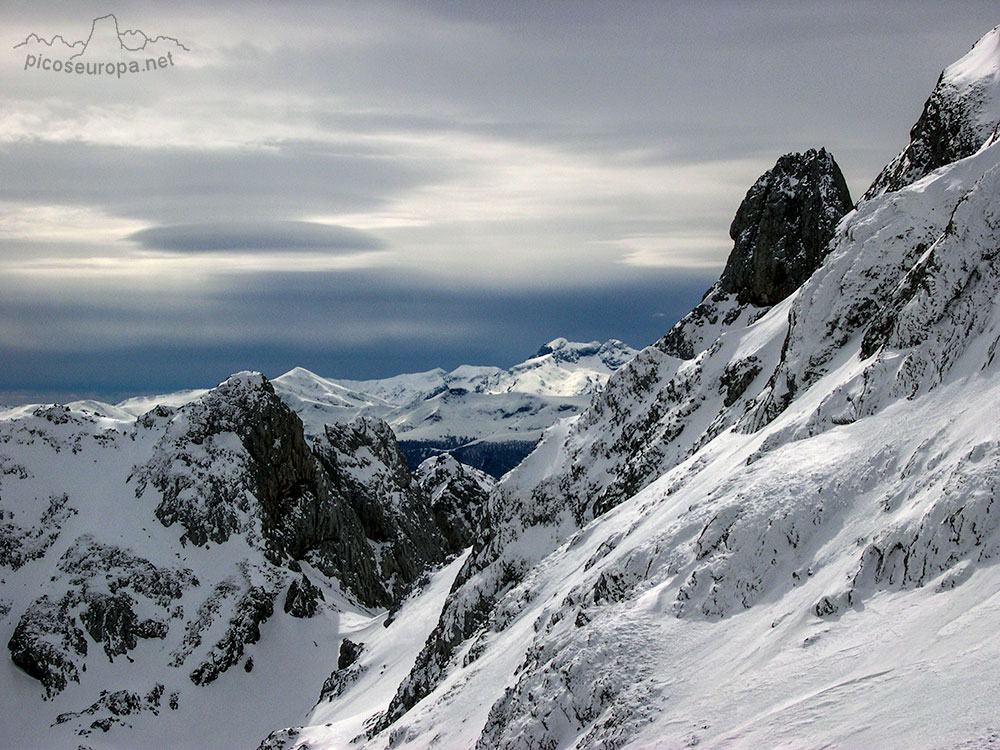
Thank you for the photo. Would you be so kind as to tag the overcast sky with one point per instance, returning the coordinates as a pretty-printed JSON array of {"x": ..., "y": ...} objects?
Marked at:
[{"x": 370, "y": 188}]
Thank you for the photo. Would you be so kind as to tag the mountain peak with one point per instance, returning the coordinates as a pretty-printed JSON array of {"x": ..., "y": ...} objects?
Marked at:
[
  {"x": 783, "y": 226},
  {"x": 960, "y": 115},
  {"x": 301, "y": 372},
  {"x": 245, "y": 382},
  {"x": 981, "y": 63},
  {"x": 553, "y": 346},
  {"x": 612, "y": 353}
]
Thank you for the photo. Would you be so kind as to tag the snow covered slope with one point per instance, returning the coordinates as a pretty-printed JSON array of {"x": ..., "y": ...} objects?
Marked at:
[
  {"x": 777, "y": 526},
  {"x": 487, "y": 417},
  {"x": 184, "y": 579}
]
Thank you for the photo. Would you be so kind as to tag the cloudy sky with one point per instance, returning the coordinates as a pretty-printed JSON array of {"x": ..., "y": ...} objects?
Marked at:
[{"x": 368, "y": 188}]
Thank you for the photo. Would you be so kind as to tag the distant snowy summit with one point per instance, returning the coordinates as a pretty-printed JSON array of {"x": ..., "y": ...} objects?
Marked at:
[
  {"x": 558, "y": 368},
  {"x": 487, "y": 417}
]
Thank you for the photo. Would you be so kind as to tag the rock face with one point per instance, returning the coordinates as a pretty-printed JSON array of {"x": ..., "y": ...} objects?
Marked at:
[
  {"x": 237, "y": 457},
  {"x": 251, "y": 611},
  {"x": 237, "y": 442},
  {"x": 783, "y": 227},
  {"x": 457, "y": 494},
  {"x": 368, "y": 469},
  {"x": 349, "y": 653},
  {"x": 302, "y": 598}
]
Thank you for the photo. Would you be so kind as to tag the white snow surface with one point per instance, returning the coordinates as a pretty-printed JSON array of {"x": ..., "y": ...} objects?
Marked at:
[
  {"x": 980, "y": 68},
  {"x": 387, "y": 657}
]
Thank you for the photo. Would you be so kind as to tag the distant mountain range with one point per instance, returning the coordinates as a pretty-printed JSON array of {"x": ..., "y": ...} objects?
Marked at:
[{"x": 487, "y": 417}]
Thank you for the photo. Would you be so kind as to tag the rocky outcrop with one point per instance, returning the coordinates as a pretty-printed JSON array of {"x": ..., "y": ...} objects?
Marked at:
[
  {"x": 783, "y": 227},
  {"x": 370, "y": 474},
  {"x": 781, "y": 235},
  {"x": 113, "y": 708},
  {"x": 237, "y": 442},
  {"x": 457, "y": 494},
  {"x": 104, "y": 588},
  {"x": 280, "y": 739},
  {"x": 349, "y": 653},
  {"x": 944, "y": 132},
  {"x": 19, "y": 546},
  {"x": 252, "y": 610},
  {"x": 348, "y": 671},
  {"x": 45, "y": 645},
  {"x": 237, "y": 460},
  {"x": 303, "y": 598}
]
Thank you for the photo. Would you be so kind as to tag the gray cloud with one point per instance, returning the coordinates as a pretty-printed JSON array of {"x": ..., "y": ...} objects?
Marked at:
[
  {"x": 253, "y": 236},
  {"x": 173, "y": 184},
  {"x": 495, "y": 146}
]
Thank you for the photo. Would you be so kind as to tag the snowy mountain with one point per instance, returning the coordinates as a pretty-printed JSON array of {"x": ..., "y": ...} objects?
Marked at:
[
  {"x": 178, "y": 579},
  {"x": 486, "y": 417},
  {"x": 777, "y": 526}
]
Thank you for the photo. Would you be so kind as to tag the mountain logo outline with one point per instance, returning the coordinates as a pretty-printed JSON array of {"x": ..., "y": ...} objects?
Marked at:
[{"x": 128, "y": 34}]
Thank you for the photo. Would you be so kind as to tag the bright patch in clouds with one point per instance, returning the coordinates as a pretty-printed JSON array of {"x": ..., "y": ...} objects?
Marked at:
[
  {"x": 187, "y": 268},
  {"x": 673, "y": 251},
  {"x": 43, "y": 223}
]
